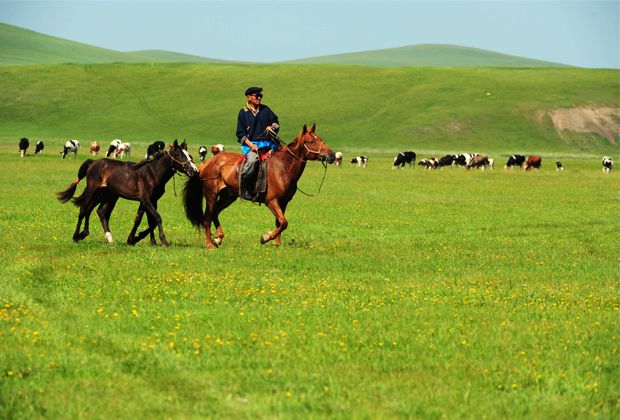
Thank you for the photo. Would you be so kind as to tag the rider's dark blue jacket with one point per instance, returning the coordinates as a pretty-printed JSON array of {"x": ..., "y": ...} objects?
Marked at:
[{"x": 253, "y": 127}]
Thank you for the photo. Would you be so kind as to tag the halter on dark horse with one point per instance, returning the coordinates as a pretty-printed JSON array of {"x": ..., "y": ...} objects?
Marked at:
[
  {"x": 219, "y": 184},
  {"x": 108, "y": 180}
]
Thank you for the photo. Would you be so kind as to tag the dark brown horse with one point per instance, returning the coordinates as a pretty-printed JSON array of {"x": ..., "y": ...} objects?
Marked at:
[
  {"x": 107, "y": 180},
  {"x": 219, "y": 184}
]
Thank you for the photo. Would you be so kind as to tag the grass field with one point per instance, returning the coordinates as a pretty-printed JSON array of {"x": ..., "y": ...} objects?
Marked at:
[{"x": 394, "y": 294}]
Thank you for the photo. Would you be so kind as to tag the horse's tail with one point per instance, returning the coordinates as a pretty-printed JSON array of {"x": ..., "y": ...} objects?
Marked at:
[
  {"x": 192, "y": 200},
  {"x": 64, "y": 196}
]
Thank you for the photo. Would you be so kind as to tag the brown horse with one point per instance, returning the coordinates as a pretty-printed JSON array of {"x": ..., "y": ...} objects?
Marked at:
[
  {"x": 219, "y": 184},
  {"x": 107, "y": 180}
]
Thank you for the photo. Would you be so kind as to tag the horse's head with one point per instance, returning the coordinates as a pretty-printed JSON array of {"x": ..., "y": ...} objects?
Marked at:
[
  {"x": 181, "y": 160},
  {"x": 313, "y": 147}
]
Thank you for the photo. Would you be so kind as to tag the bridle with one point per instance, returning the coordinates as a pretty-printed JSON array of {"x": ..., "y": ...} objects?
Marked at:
[
  {"x": 305, "y": 160},
  {"x": 308, "y": 149},
  {"x": 183, "y": 164},
  {"x": 174, "y": 170}
]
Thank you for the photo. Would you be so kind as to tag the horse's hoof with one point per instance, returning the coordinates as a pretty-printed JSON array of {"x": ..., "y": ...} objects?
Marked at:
[
  {"x": 217, "y": 241},
  {"x": 264, "y": 239},
  {"x": 108, "y": 237},
  {"x": 130, "y": 242}
]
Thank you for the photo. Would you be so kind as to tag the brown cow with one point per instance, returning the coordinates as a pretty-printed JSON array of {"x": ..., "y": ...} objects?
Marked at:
[
  {"x": 479, "y": 161},
  {"x": 534, "y": 161},
  {"x": 94, "y": 148}
]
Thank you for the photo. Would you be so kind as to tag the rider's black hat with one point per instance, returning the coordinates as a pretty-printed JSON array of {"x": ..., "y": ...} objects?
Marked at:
[{"x": 253, "y": 90}]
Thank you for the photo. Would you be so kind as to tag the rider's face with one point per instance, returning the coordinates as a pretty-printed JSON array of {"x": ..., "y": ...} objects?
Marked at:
[{"x": 255, "y": 99}]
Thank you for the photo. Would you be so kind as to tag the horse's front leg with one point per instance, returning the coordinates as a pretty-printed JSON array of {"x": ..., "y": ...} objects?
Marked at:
[
  {"x": 152, "y": 210},
  {"x": 281, "y": 222},
  {"x": 278, "y": 239}
]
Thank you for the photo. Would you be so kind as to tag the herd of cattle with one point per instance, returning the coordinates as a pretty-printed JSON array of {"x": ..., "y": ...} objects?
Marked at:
[
  {"x": 118, "y": 149},
  {"x": 468, "y": 160}
]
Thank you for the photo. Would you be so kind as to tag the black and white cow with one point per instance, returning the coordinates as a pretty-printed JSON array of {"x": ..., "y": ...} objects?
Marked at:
[
  {"x": 429, "y": 163},
  {"x": 23, "y": 146},
  {"x": 38, "y": 148},
  {"x": 607, "y": 164},
  {"x": 70, "y": 146},
  {"x": 360, "y": 161},
  {"x": 113, "y": 145},
  {"x": 403, "y": 158},
  {"x": 155, "y": 149},
  {"x": 202, "y": 152},
  {"x": 515, "y": 160},
  {"x": 463, "y": 159},
  {"x": 447, "y": 160},
  {"x": 559, "y": 166}
]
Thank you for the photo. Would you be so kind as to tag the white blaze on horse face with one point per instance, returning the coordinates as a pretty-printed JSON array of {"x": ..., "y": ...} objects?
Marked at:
[{"x": 189, "y": 159}]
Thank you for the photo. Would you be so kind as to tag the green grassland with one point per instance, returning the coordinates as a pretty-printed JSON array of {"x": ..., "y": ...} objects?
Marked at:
[{"x": 395, "y": 293}]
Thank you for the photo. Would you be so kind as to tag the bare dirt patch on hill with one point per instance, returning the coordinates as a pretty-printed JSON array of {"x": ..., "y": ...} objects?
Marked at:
[{"x": 604, "y": 121}]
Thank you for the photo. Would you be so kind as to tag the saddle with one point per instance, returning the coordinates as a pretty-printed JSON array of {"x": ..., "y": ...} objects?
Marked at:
[{"x": 261, "y": 177}]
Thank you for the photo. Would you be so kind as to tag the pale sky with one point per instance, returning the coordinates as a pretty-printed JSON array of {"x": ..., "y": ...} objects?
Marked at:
[{"x": 578, "y": 33}]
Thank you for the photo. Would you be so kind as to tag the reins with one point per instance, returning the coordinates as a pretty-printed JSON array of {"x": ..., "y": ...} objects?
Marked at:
[{"x": 304, "y": 161}]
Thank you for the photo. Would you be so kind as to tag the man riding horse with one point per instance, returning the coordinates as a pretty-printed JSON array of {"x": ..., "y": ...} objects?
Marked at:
[{"x": 257, "y": 129}]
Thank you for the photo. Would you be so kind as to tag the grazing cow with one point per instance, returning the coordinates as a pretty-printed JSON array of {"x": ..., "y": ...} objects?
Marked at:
[
  {"x": 338, "y": 160},
  {"x": 403, "y": 158},
  {"x": 122, "y": 149},
  {"x": 533, "y": 161},
  {"x": 23, "y": 146},
  {"x": 113, "y": 145},
  {"x": 202, "y": 152},
  {"x": 559, "y": 166},
  {"x": 215, "y": 149},
  {"x": 463, "y": 159},
  {"x": 155, "y": 149},
  {"x": 515, "y": 160},
  {"x": 70, "y": 146},
  {"x": 478, "y": 161},
  {"x": 447, "y": 160},
  {"x": 38, "y": 148},
  {"x": 429, "y": 163},
  {"x": 94, "y": 148},
  {"x": 607, "y": 164},
  {"x": 360, "y": 161}
]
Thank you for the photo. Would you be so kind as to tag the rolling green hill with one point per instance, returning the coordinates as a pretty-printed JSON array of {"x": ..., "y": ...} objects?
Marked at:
[
  {"x": 357, "y": 109},
  {"x": 22, "y": 46},
  {"x": 429, "y": 55}
]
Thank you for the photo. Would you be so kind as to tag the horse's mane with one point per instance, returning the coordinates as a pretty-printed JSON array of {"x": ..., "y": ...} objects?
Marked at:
[{"x": 147, "y": 161}]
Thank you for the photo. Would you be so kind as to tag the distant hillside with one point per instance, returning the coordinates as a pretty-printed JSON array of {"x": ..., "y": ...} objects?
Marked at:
[
  {"x": 22, "y": 46},
  {"x": 357, "y": 109},
  {"x": 429, "y": 55}
]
